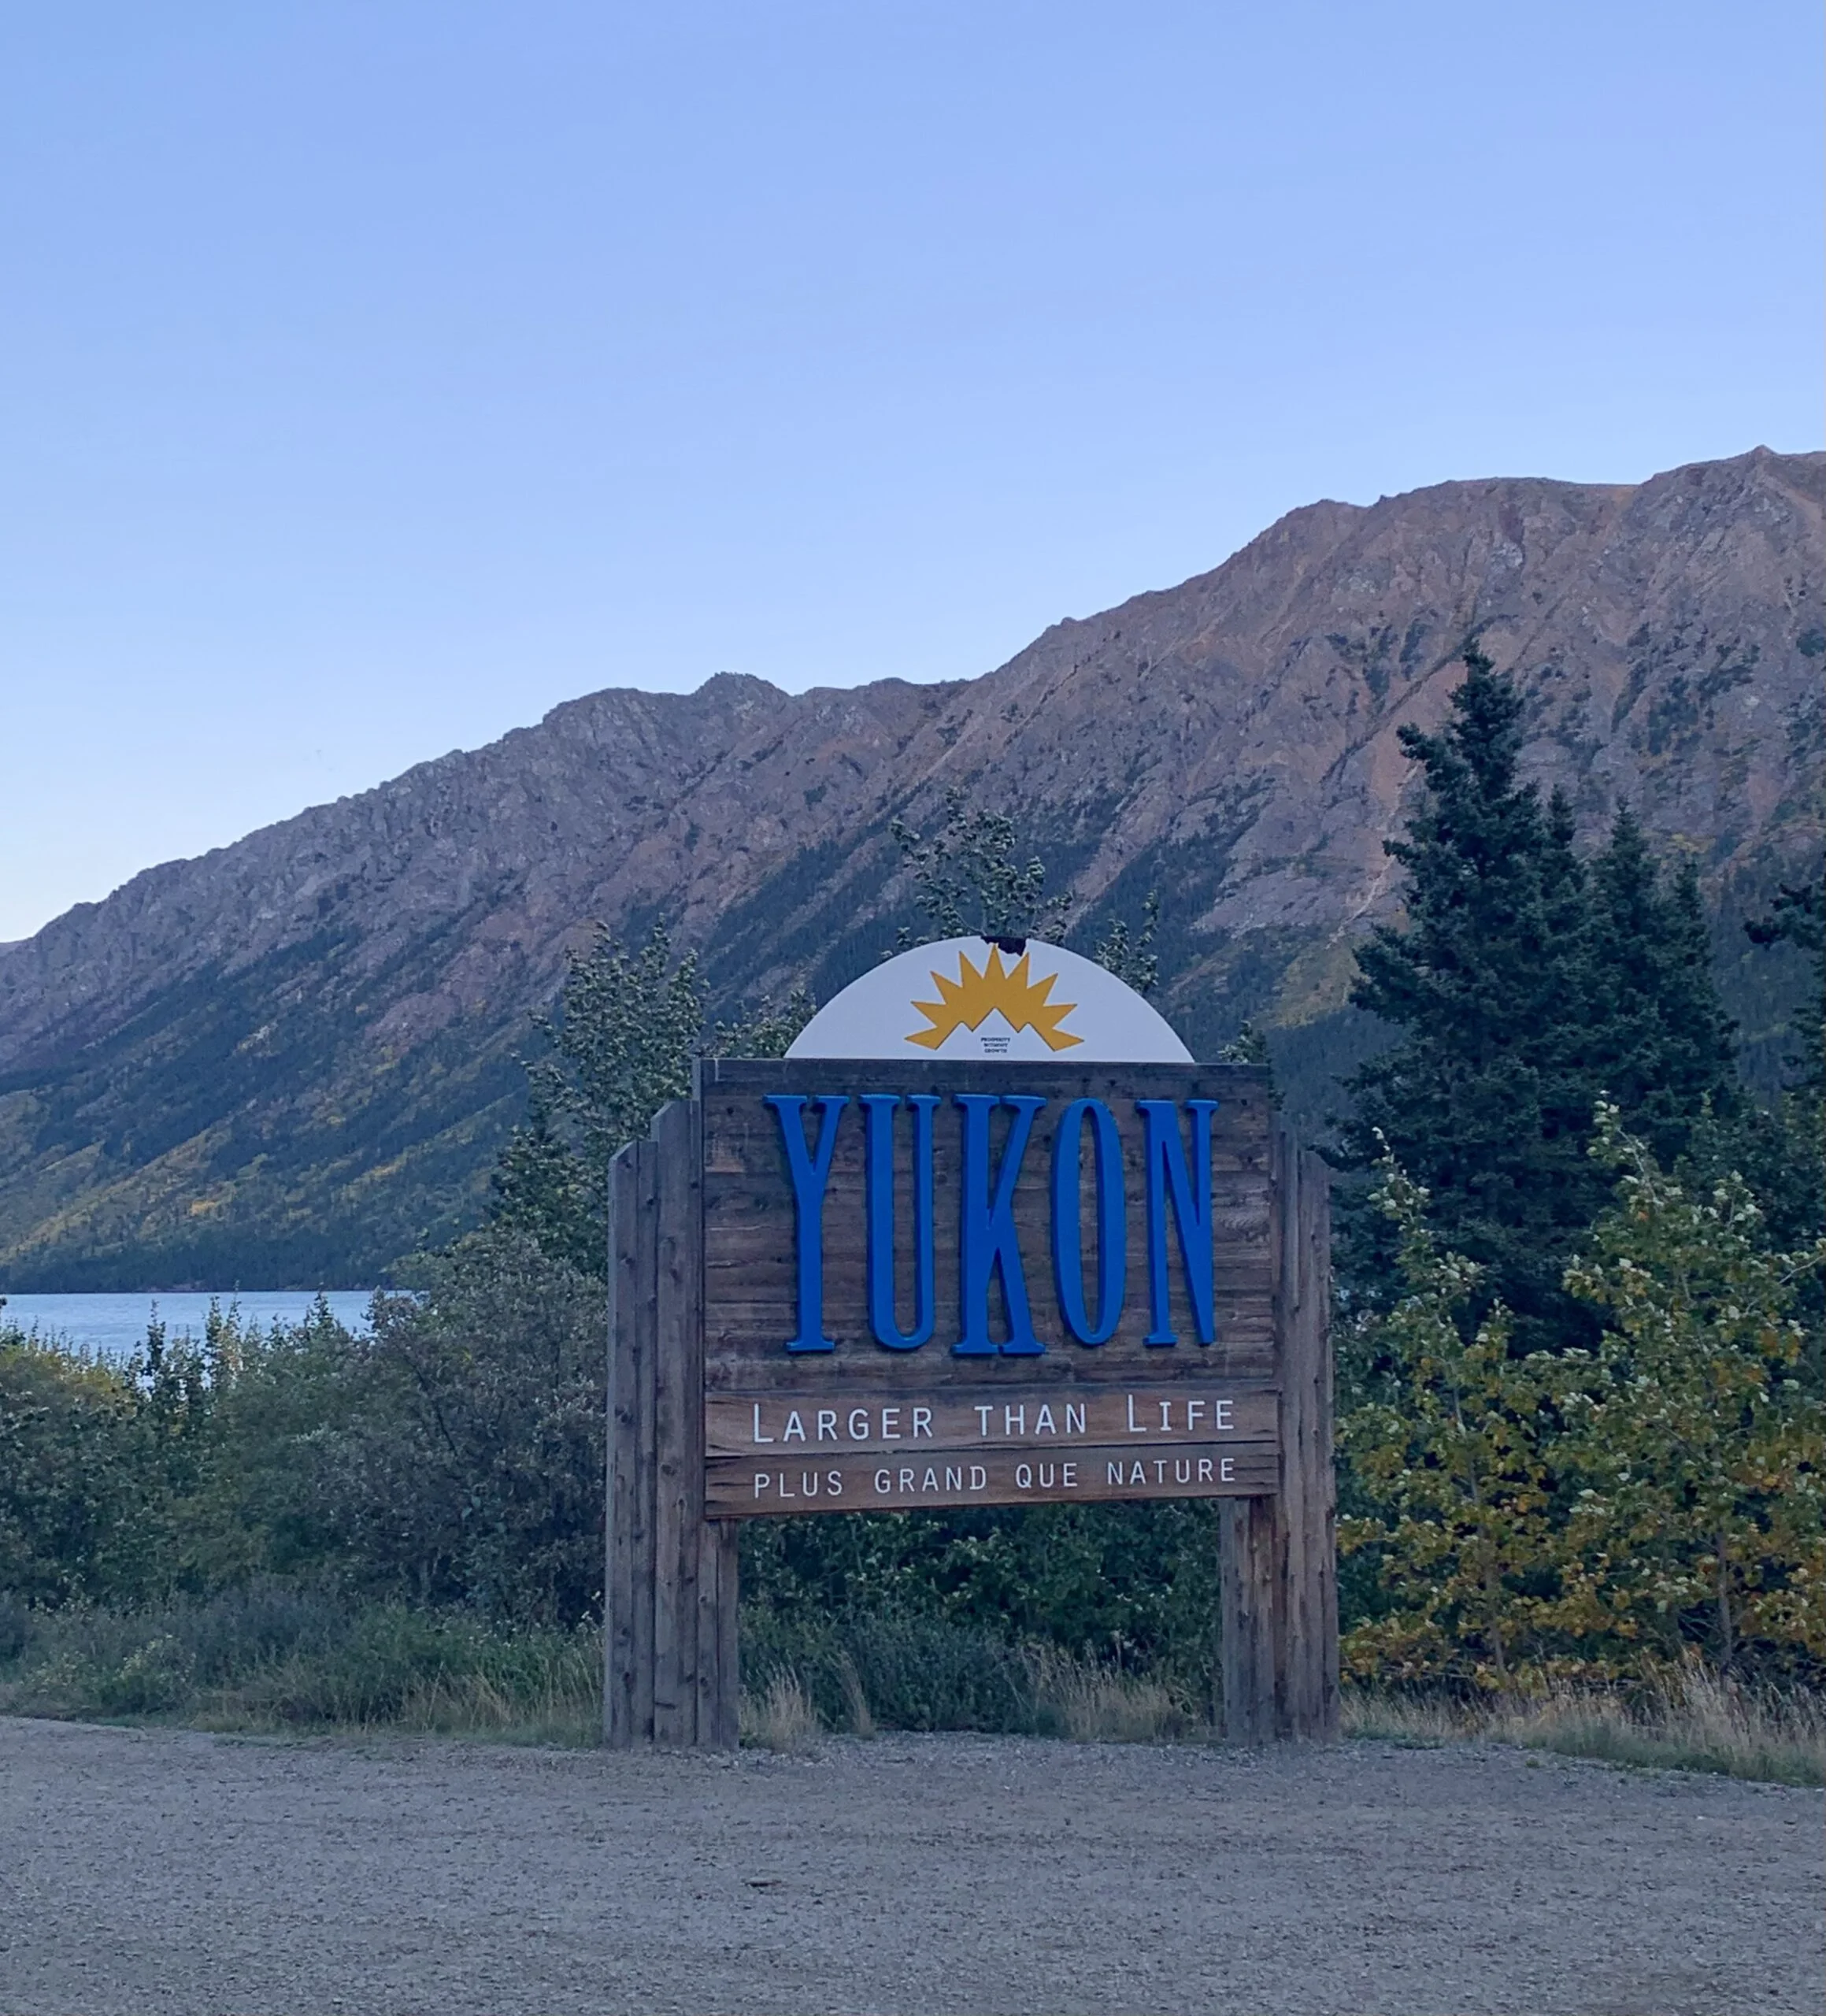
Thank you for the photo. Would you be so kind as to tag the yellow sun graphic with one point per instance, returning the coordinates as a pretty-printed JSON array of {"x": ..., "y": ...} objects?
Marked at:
[{"x": 968, "y": 1001}]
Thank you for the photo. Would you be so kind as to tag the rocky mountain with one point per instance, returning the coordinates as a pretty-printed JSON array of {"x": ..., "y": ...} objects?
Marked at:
[{"x": 294, "y": 1057}]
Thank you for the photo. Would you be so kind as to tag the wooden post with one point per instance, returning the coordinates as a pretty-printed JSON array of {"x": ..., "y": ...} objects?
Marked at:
[
  {"x": 670, "y": 1673},
  {"x": 1280, "y": 1565}
]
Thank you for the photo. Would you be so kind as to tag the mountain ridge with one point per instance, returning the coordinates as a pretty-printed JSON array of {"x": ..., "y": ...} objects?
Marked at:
[{"x": 296, "y": 1054}]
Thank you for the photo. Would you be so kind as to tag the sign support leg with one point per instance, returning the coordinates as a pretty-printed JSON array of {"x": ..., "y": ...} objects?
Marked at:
[
  {"x": 670, "y": 1672},
  {"x": 1278, "y": 1555}
]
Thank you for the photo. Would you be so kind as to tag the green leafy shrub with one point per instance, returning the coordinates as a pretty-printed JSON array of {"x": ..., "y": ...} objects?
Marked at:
[
  {"x": 271, "y": 1657},
  {"x": 157, "y": 1675},
  {"x": 78, "y": 1494},
  {"x": 1695, "y": 1456},
  {"x": 1593, "y": 1514}
]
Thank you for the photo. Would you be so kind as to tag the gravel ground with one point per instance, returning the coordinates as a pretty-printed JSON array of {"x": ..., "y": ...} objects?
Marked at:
[{"x": 161, "y": 1870}]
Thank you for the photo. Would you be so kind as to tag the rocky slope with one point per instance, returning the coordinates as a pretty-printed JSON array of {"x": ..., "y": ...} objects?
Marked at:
[{"x": 292, "y": 1057}]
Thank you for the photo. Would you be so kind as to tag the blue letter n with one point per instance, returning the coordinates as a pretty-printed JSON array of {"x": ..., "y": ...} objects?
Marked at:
[{"x": 1191, "y": 1193}]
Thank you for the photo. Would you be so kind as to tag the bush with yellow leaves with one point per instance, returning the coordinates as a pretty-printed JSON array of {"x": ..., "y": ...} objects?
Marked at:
[{"x": 1596, "y": 1514}]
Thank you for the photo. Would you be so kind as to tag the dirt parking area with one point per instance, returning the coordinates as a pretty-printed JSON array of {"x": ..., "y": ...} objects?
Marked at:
[{"x": 152, "y": 1869}]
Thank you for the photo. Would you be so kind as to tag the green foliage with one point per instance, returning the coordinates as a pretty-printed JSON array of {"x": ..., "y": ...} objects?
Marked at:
[
  {"x": 766, "y": 1030},
  {"x": 1482, "y": 1102},
  {"x": 1523, "y": 985},
  {"x": 1779, "y": 1150},
  {"x": 906, "y": 1670},
  {"x": 1592, "y": 1514},
  {"x": 1448, "y": 1462},
  {"x": 1130, "y": 956},
  {"x": 1132, "y": 1584},
  {"x": 620, "y": 1046},
  {"x": 629, "y": 1028},
  {"x": 74, "y": 1477},
  {"x": 1792, "y": 1137},
  {"x": 1798, "y": 916},
  {"x": 273, "y": 1656},
  {"x": 177, "y": 1469},
  {"x": 467, "y": 1465},
  {"x": 1699, "y": 1516},
  {"x": 1655, "y": 1039},
  {"x": 453, "y": 1457},
  {"x": 966, "y": 879},
  {"x": 1250, "y": 1045},
  {"x": 246, "y": 1497}
]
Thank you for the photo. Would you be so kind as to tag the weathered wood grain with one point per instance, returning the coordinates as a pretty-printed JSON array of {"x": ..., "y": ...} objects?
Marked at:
[
  {"x": 750, "y": 1283},
  {"x": 1279, "y": 1593},
  {"x": 628, "y": 1587},
  {"x": 670, "y": 1587},
  {"x": 1253, "y": 1624},
  {"x": 718, "y": 1671},
  {"x": 623, "y": 1580},
  {"x": 678, "y": 1423},
  {"x": 1308, "y": 1495},
  {"x": 646, "y": 1205}
]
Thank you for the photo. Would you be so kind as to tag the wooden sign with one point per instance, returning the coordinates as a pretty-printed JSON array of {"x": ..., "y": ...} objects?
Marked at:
[
  {"x": 853, "y": 1284},
  {"x": 1004, "y": 1285}
]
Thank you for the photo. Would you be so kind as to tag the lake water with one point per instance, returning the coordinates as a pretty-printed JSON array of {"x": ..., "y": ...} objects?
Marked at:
[{"x": 113, "y": 1325}]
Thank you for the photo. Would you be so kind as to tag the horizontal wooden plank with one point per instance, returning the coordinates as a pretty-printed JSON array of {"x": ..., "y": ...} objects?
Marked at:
[
  {"x": 1243, "y": 1087},
  {"x": 745, "y": 1487},
  {"x": 850, "y": 1378},
  {"x": 808, "y": 1425}
]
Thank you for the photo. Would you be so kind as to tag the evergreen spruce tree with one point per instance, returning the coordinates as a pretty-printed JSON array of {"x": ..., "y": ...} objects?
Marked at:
[
  {"x": 1780, "y": 1148},
  {"x": 1486, "y": 1098},
  {"x": 1799, "y": 915},
  {"x": 1791, "y": 1182},
  {"x": 1656, "y": 1042},
  {"x": 1527, "y": 988},
  {"x": 540, "y": 1186}
]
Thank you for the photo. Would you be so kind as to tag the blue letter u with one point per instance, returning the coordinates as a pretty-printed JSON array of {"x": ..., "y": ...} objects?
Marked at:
[
  {"x": 1190, "y": 1191},
  {"x": 879, "y": 1111},
  {"x": 1112, "y": 1227},
  {"x": 810, "y": 1172}
]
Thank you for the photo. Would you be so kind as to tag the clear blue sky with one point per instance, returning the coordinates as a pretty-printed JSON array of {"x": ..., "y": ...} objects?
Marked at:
[{"x": 375, "y": 375}]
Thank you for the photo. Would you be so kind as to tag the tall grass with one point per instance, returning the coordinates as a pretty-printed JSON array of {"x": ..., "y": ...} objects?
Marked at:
[
  {"x": 274, "y": 1657},
  {"x": 1693, "y": 1721},
  {"x": 854, "y": 1674},
  {"x": 780, "y": 1717}
]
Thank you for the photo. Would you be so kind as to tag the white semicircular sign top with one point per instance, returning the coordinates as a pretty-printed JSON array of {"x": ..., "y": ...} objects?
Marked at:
[{"x": 967, "y": 997}]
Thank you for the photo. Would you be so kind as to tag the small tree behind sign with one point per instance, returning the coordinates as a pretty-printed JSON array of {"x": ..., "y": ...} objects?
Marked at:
[{"x": 1028, "y": 1255}]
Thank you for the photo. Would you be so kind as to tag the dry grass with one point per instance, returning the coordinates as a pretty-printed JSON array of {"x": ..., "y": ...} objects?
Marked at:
[
  {"x": 1698, "y": 1721},
  {"x": 1093, "y": 1703},
  {"x": 855, "y": 1703},
  {"x": 1081, "y": 1699},
  {"x": 783, "y": 1718},
  {"x": 273, "y": 1660}
]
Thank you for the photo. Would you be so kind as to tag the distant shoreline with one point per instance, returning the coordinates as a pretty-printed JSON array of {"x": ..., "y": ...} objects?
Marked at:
[{"x": 115, "y": 1324}]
